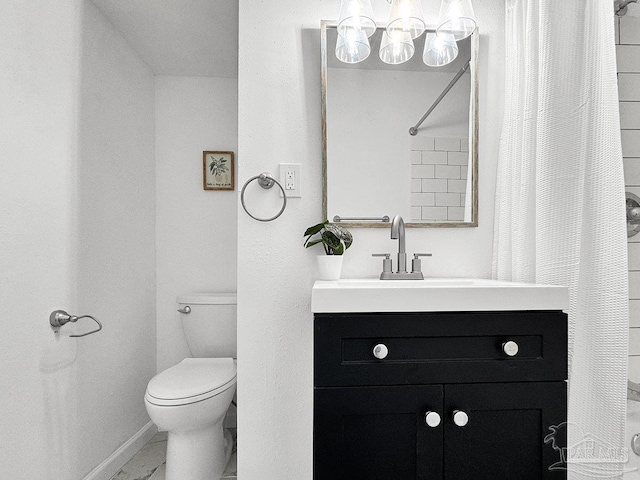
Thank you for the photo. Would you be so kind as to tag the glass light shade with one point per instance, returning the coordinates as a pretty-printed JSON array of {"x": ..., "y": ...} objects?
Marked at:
[
  {"x": 439, "y": 49},
  {"x": 406, "y": 16},
  {"x": 396, "y": 50},
  {"x": 353, "y": 46},
  {"x": 356, "y": 14},
  {"x": 457, "y": 18}
]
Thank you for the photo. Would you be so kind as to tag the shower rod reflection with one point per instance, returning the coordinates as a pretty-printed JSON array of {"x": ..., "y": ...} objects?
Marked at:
[
  {"x": 414, "y": 130},
  {"x": 620, "y": 6}
]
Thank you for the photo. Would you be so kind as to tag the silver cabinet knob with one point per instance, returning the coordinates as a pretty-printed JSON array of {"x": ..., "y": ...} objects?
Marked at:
[
  {"x": 432, "y": 419},
  {"x": 510, "y": 348},
  {"x": 380, "y": 351},
  {"x": 186, "y": 309},
  {"x": 460, "y": 418}
]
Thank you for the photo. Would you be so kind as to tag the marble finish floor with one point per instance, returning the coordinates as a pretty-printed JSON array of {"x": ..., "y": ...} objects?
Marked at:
[{"x": 149, "y": 462}]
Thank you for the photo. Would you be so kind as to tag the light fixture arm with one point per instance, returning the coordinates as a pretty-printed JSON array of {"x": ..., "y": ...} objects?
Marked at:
[{"x": 414, "y": 130}]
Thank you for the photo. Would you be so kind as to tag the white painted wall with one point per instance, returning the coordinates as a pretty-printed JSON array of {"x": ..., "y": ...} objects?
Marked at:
[
  {"x": 116, "y": 239},
  {"x": 279, "y": 121},
  {"x": 39, "y": 97},
  {"x": 76, "y": 232},
  {"x": 196, "y": 229}
]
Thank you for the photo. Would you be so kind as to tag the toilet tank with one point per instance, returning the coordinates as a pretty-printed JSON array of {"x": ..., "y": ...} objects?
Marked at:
[{"x": 211, "y": 324}]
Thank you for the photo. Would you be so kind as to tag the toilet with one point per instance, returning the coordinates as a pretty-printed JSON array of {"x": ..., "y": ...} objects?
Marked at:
[{"x": 190, "y": 399}]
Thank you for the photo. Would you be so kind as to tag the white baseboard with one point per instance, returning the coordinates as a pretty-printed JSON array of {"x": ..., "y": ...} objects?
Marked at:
[{"x": 112, "y": 465}]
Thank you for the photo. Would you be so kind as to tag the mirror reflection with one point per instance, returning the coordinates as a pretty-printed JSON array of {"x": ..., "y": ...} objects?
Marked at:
[{"x": 373, "y": 165}]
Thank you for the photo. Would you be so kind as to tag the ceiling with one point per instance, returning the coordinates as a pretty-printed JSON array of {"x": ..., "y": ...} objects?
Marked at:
[{"x": 179, "y": 37}]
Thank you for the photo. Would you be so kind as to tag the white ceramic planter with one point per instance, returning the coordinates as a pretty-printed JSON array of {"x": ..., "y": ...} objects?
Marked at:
[{"x": 329, "y": 267}]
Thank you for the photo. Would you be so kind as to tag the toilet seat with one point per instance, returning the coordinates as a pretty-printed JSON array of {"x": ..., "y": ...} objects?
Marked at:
[{"x": 192, "y": 380}]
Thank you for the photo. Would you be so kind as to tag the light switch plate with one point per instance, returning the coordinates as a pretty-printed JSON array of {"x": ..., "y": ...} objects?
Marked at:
[{"x": 290, "y": 179}]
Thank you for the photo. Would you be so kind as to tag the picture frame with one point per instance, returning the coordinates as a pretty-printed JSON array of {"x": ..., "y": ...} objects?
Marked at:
[{"x": 218, "y": 170}]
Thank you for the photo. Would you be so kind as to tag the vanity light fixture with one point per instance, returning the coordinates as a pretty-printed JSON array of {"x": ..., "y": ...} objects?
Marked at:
[
  {"x": 439, "y": 49},
  {"x": 406, "y": 23},
  {"x": 352, "y": 46},
  {"x": 457, "y": 17},
  {"x": 397, "y": 49},
  {"x": 406, "y": 16}
]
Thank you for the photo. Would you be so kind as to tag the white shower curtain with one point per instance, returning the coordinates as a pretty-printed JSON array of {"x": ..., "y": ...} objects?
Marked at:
[{"x": 560, "y": 206}]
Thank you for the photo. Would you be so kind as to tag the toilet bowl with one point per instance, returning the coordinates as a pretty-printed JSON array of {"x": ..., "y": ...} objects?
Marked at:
[{"x": 190, "y": 399}]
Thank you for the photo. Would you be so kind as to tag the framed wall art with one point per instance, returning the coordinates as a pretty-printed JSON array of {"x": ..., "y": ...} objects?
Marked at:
[{"x": 218, "y": 170}]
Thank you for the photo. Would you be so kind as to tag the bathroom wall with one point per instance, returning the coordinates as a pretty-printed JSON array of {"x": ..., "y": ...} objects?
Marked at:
[
  {"x": 195, "y": 229},
  {"x": 39, "y": 91},
  {"x": 628, "y": 56},
  {"x": 279, "y": 121},
  {"x": 116, "y": 239},
  {"x": 76, "y": 232}
]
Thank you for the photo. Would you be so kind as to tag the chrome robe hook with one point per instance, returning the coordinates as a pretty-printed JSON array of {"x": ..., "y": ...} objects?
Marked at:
[{"x": 58, "y": 318}]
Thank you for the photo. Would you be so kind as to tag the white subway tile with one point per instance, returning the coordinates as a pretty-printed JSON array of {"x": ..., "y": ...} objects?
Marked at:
[
  {"x": 634, "y": 369},
  {"x": 423, "y": 199},
  {"x": 464, "y": 144},
  {"x": 434, "y": 185},
  {"x": 455, "y": 213},
  {"x": 416, "y": 185},
  {"x": 629, "y": 30},
  {"x": 459, "y": 186},
  {"x": 616, "y": 24},
  {"x": 434, "y": 213},
  {"x": 421, "y": 171},
  {"x": 634, "y": 341},
  {"x": 634, "y": 285},
  {"x": 458, "y": 158},
  {"x": 434, "y": 158},
  {"x": 628, "y": 57},
  {"x": 630, "y": 144},
  {"x": 447, "y": 199},
  {"x": 630, "y": 115},
  {"x": 448, "y": 144},
  {"x": 634, "y": 313},
  {"x": 416, "y": 213},
  {"x": 632, "y": 171},
  {"x": 448, "y": 171},
  {"x": 464, "y": 171},
  {"x": 421, "y": 143},
  {"x": 629, "y": 87},
  {"x": 416, "y": 157},
  {"x": 633, "y": 250}
]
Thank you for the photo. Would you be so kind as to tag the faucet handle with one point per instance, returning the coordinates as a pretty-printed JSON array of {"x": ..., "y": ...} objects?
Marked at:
[
  {"x": 416, "y": 263},
  {"x": 386, "y": 263}
]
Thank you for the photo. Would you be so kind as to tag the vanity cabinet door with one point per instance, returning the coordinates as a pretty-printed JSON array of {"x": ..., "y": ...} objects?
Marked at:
[
  {"x": 505, "y": 434},
  {"x": 377, "y": 433}
]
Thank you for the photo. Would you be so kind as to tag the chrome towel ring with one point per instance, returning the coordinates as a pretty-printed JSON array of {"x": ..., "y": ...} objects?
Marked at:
[
  {"x": 266, "y": 181},
  {"x": 59, "y": 318}
]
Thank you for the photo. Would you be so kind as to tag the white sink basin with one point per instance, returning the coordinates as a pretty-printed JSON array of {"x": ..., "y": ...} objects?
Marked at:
[{"x": 434, "y": 295}]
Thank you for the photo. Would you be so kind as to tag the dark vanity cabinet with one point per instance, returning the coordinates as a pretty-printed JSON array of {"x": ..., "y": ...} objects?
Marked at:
[{"x": 453, "y": 396}]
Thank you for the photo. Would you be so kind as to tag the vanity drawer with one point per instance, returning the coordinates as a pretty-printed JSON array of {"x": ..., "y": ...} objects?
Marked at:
[{"x": 426, "y": 348}]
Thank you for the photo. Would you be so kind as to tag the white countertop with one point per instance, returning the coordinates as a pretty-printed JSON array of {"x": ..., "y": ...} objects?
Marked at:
[{"x": 434, "y": 295}]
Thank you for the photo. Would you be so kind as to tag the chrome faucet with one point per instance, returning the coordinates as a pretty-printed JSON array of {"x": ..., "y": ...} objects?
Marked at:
[{"x": 397, "y": 233}]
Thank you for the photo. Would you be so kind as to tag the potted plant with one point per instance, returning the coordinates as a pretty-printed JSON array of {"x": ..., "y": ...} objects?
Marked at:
[{"x": 335, "y": 239}]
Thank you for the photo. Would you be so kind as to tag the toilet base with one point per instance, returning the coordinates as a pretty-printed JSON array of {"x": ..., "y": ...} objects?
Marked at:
[{"x": 198, "y": 454}]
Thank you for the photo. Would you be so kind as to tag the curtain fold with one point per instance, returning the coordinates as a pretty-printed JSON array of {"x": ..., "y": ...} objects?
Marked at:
[{"x": 560, "y": 203}]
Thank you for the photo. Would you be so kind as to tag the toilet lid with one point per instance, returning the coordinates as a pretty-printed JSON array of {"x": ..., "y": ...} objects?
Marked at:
[{"x": 193, "y": 379}]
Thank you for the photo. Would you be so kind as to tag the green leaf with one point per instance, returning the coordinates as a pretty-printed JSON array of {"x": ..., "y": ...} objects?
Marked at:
[
  {"x": 315, "y": 229},
  {"x": 330, "y": 240},
  {"x": 312, "y": 243},
  {"x": 339, "y": 250}
]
